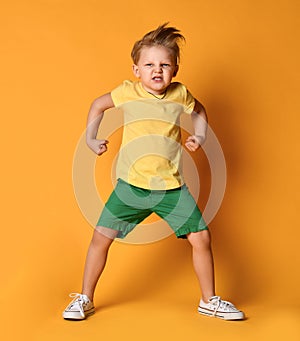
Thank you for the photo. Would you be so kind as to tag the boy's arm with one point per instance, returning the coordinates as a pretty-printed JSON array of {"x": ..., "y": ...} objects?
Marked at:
[
  {"x": 199, "y": 119},
  {"x": 95, "y": 116}
]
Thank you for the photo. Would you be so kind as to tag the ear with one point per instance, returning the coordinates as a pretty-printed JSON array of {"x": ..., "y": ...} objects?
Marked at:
[
  {"x": 135, "y": 70},
  {"x": 176, "y": 70}
]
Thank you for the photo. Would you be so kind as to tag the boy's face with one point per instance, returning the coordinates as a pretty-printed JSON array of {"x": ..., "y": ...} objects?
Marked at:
[{"x": 155, "y": 68}]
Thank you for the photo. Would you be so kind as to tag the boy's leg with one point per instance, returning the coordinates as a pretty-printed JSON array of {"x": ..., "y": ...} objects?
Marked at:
[
  {"x": 203, "y": 262},
  {"x": 210, "y": 305},
  {"x": 96, "y": 259}
]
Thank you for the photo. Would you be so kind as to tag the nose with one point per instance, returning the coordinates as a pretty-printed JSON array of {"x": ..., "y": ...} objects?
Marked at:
[{"x": 158, "y": 69}]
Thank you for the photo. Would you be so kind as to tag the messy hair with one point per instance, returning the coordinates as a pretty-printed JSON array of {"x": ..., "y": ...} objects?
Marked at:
[{"x": 168, "y": 37}]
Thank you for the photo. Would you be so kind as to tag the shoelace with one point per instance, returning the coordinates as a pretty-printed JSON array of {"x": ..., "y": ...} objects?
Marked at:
[
  {"x": 216, "y": 301},
  {"x": 77, "y": 298}
]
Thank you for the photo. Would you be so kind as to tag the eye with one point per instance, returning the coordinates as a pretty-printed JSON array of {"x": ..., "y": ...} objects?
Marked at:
[
  {"x": 165, "y": 65},
  {"x": 149, "y": 64}
]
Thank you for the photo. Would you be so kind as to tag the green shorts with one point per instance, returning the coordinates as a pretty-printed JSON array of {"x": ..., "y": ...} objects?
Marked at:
[{"x": 128, "y": 205}]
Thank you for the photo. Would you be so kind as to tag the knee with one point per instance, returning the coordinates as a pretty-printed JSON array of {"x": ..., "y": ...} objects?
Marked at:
[
  {"x": 200, "y": 239},
  {"x": 102, "y": 240}
]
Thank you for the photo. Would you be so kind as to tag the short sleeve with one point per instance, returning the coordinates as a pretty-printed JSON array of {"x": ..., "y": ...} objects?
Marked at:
[
  {"x": 122, "y": 93},
  {"x": 117, "y": 95},
  {"x": 189, "y": 102},
  {"x": 180, "y": 94}
]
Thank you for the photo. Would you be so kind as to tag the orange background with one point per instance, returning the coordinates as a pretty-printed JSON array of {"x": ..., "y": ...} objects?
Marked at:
[{"x": 241, "y": 61}]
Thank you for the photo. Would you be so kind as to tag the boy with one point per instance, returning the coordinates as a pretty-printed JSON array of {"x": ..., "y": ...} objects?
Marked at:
[{"x": 149, "y": 168}]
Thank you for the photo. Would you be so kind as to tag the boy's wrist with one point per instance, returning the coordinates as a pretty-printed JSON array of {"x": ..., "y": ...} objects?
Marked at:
[
  {"x": 200, "y": 139},
  {"x": 89, "y": 139}
]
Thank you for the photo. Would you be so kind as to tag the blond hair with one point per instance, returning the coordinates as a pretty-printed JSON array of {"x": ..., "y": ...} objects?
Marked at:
[{"x": 168, "y": 37}]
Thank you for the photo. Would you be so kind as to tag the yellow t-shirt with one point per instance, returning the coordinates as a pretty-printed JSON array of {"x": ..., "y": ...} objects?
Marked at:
[{"x": 150, "y": 154}]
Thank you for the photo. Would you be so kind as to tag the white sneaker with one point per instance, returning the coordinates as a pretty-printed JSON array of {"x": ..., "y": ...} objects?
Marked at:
[
  {"x": 219, "y": 308},
  {"x": 79, "y": 308}
]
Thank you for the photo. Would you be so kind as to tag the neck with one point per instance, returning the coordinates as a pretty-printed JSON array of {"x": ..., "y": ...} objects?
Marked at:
[{"x": 158, "y": 96}]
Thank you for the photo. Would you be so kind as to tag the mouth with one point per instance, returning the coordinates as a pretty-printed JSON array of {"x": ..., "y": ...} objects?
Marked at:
[{"x": 157, "y": 79}]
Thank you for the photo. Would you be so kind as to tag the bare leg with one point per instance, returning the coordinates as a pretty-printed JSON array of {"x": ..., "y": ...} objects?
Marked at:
[
  {"x": 96, "y": 259},
  {"x": 203, "y": 262}
]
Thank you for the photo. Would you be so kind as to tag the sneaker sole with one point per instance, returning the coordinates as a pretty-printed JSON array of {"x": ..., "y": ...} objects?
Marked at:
[
  {"x": 74, "y": 315},
  {"x": 225, "y": 316}
]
